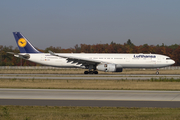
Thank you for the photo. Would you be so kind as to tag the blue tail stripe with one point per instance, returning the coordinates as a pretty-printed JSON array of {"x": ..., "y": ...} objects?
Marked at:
[{"x": 26, "y": 48}]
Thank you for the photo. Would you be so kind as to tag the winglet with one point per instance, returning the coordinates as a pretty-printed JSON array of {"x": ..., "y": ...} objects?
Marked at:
[
  {"x": 23, "y": 44},
  {"x": 52, "y": 53}
]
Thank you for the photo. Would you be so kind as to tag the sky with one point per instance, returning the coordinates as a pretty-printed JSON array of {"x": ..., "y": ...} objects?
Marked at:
[{"x": 65, "y": 23}]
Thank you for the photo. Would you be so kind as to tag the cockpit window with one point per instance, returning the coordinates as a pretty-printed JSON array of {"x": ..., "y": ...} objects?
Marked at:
[{"x": 168, "y": 58}]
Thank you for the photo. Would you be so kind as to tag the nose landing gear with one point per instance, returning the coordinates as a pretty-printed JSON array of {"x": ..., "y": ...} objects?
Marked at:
[{"x": 157, "y": 72}]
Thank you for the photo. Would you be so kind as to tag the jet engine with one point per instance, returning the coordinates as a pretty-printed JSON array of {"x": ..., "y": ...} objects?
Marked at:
[{"x": 109, "y": 67}]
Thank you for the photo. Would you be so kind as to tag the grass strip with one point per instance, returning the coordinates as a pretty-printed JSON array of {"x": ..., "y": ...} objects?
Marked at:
[
  {"x": 89, "y": 113},
  {"x": 153, "y": 84}
]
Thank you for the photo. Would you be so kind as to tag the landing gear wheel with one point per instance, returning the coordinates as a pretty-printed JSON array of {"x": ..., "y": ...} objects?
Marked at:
[
  {"x": 95, "y": 72},
  {"x": 90, "y": 72},
  {"x": 157, "y": 73},
  {"x": 86, "y": 72}
]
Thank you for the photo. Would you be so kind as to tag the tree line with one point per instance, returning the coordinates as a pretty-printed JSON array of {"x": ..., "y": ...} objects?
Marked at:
[{"x": 173, "y": 51}]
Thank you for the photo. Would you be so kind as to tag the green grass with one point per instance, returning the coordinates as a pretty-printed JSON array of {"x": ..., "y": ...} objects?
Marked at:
[{"x": 88, "y": 113}]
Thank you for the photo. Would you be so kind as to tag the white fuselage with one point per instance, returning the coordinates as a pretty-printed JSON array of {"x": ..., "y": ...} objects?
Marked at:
[{"x": 125, "y": 60}]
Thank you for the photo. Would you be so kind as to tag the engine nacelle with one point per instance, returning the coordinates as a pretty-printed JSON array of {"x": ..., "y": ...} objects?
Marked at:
[{"x": 109, "y": 67}]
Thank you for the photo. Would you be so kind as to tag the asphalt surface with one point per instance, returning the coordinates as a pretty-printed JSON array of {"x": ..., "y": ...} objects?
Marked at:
[
  {"x": 100, "y": 98},
  {"x": 85, "y": 77},
  {"x": 113, "y": 98},
  {"x": 92, "y": 103}
]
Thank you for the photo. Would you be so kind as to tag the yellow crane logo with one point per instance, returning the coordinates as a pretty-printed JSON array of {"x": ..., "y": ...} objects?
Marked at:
[{"x": 22, "y": 42}]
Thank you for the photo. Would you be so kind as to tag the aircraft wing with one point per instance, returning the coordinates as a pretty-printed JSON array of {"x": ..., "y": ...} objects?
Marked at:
[
  {"x": 24, "y": 56},
  {"x": 77, "y": 60}
]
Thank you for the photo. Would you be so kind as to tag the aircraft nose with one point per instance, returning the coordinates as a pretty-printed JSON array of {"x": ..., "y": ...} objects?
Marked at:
[{"x": 173, "y": 61}]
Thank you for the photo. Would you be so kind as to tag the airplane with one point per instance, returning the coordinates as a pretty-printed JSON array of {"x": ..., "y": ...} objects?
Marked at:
[{"x": 94, "y": 62}]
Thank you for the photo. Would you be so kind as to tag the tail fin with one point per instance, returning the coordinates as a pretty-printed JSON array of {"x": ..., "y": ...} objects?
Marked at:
[{"x": 23, "y": 44}]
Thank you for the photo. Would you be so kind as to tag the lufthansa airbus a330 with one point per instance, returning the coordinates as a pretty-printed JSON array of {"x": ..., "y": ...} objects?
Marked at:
[{"x": 94, "y": 62}]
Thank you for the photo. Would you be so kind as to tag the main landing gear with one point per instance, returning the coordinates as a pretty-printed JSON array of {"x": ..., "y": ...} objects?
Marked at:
[{"x": 90, "y": 72}]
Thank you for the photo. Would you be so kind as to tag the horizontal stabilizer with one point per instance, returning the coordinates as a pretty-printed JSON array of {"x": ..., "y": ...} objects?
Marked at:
[{"x": 24, "y": 56}]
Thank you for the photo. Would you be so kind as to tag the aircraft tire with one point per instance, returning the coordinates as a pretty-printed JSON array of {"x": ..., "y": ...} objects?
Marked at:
[{"x": 86, "y": 72}]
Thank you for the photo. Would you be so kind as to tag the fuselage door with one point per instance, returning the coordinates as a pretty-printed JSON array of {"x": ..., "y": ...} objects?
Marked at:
[
  {"x": 127, "y": 59},
  {"x": 158, "y": 59}
]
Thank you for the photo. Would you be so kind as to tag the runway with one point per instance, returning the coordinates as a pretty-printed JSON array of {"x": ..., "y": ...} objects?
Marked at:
[
  {"x": 86, "y": 77},
  {"x": 100, "y": 98},
  {"x": 114, "y": 98},
  {"x": 91, "y": 103}
]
